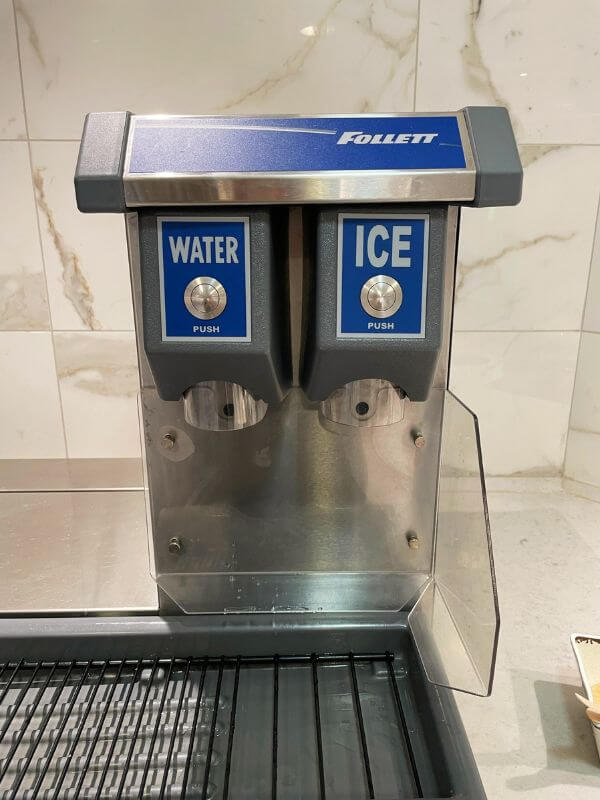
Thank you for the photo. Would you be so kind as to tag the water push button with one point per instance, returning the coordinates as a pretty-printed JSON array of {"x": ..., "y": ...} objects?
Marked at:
[
  {"x": 381, "y": 296},
  {"x": 205, "y": 298}
]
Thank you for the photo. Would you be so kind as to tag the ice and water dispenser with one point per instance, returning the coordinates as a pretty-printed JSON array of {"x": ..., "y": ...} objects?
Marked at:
[{"x": 316, "y": 507}]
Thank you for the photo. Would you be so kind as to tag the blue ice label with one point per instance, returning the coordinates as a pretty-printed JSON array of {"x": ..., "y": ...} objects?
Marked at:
[
  {"x": 215, "y": 248},
  {"x": 389, "y": 246}
]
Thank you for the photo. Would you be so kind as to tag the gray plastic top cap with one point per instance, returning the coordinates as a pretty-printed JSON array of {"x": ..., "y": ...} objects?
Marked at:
[
  {"x": 99, "y": 172},
  {"x": 99, "y": 176},
  {"x": 499, "y": 179}
]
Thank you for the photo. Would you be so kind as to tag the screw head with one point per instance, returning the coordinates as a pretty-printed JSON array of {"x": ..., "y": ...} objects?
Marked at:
[
  {"x": 175, "y": 545},
  {"x": 168, "y": 441},
  {"x": 413, "y": 541},
  {"x": 419, "y": 440}
]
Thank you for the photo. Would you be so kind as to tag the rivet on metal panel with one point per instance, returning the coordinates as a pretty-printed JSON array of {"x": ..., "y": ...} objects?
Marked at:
[
  {"x": 175, "y": 545},
  {"x": 418, "y": 439},
  {"x": 413, "y": 540},
  {"x": 168, "y": 441}
]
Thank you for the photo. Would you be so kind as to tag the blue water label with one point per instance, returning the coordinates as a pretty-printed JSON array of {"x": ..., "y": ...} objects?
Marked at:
[
  {"x": 204, "y": 145},
  {"x": 385, "y": 245},
  {"x": 216, "y": 248}
]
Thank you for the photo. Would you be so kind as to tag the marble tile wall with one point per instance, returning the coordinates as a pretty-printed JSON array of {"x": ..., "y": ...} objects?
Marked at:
[
  {"x": 523, "y": 271},
  {"x": 582, "y": 462}
]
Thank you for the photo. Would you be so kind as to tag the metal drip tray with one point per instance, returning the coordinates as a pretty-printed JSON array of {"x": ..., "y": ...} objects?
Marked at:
[
  {"x": 314, "y": 726},
  {"x": 152, "y": 722}
]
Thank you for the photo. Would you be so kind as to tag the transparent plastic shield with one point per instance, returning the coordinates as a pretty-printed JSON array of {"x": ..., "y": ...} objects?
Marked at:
[
  {"x": 455, "y": 621},
  {"x": 294, "y": 513}
]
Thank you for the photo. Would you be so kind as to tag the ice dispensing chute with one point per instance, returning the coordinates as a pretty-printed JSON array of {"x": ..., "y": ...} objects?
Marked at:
[{"x": 293, "y": 286}]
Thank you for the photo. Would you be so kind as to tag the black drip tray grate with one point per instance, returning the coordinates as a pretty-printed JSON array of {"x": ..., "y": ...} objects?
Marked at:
[{"x": 273, "y": 727}]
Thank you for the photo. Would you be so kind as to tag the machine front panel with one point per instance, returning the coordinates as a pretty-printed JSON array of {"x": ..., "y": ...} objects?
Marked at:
[
  {"x": 204, "y": 268},
  {"x": 299, "y": 512},
  {"x": 382, "y": 275}
]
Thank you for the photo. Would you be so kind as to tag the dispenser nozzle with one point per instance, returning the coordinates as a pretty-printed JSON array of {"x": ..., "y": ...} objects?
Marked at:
[
  {"x": 221, "y": 406},
  {"x": 365, "y": 403}
]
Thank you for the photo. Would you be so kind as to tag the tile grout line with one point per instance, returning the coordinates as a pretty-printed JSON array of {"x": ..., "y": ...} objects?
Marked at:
[
  {"x": 39, "y": 230},
  {"x": 417, "y": 54},
  {"x": 581, "y": 333},
  {"x": 27, "y": 139},
  {"x": 558, "y": 144},
  {"x": 70, "y": 330},
  {"x": 517, "y": 330},
  {"x": 588, "y": 432}
]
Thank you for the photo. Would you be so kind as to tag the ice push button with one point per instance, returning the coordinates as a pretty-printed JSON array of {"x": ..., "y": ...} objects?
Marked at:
[
  {"x": 205, "y": 298},
  {"x": 381, "y": 296}
]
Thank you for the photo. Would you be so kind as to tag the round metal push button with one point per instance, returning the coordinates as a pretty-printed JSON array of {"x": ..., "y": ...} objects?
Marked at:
[
  {"x": 381, "y": 296},
  {"x": 205, "y": 298}
]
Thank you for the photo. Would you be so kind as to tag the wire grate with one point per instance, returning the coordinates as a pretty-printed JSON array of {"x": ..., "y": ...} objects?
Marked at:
[{"x": 278, "y": 726}]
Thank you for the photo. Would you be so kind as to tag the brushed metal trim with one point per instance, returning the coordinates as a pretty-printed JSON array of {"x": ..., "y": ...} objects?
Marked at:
[
  {"x": 178, "y": 189},
  {"x": 365, "y": 292},
  {"x": 442, "y": 372},
  {"x": 71, "y": 475},
  {"x": 216, "y": 286},
  {"x": 81, "y": 552},
  {"x": 366, "y": 186}
]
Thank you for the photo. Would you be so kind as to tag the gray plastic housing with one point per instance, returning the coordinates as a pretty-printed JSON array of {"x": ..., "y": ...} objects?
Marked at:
[
  {"x": 499, "y": 180},
  {"x": 331, "y": 362},
  {"x": 261, "y": 365},
  {"x": 99, "y": 172},
  {"x": 99, "y": 177}
]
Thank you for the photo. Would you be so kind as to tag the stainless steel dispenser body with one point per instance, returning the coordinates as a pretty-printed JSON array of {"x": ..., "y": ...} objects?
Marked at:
[
  {"x": 293, "y": 290},
  {"x": 299, "y": 513}
]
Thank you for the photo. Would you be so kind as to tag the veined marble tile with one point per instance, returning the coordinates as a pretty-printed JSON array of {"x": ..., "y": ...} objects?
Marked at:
[
  {"x": 519, "y": 385},
  {"x": 587, "y": 490},
  {"x": 526, "y": 267},
  {"x": 591, "y": 321},
  {"x": 585, "y": 411},
  {"x": 23, "y": 300},
  {"x": 582, "y": 462},
  {"x": 98, "y": 378},
  {"x": 30, "y": 419},
  {"x": 539, "y": 58},
  {"x": 85, "y": 254},
  {"x": 253, "y": 57},
  {"x": 12, "y": 120}
]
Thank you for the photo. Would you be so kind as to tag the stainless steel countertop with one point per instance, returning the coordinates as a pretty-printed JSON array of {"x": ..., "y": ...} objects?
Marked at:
[
  {"x": 74, "y": 552},
  {"x": 75, "y": 474}
]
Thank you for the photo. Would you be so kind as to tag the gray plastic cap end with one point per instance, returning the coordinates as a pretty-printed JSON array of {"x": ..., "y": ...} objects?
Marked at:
[
  {"x": 499, "y": 171},
  {"x": 99, "y": 173}
]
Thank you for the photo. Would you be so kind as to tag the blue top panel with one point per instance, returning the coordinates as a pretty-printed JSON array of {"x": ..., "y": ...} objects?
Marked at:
[{"x": 295, "y": 144}]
